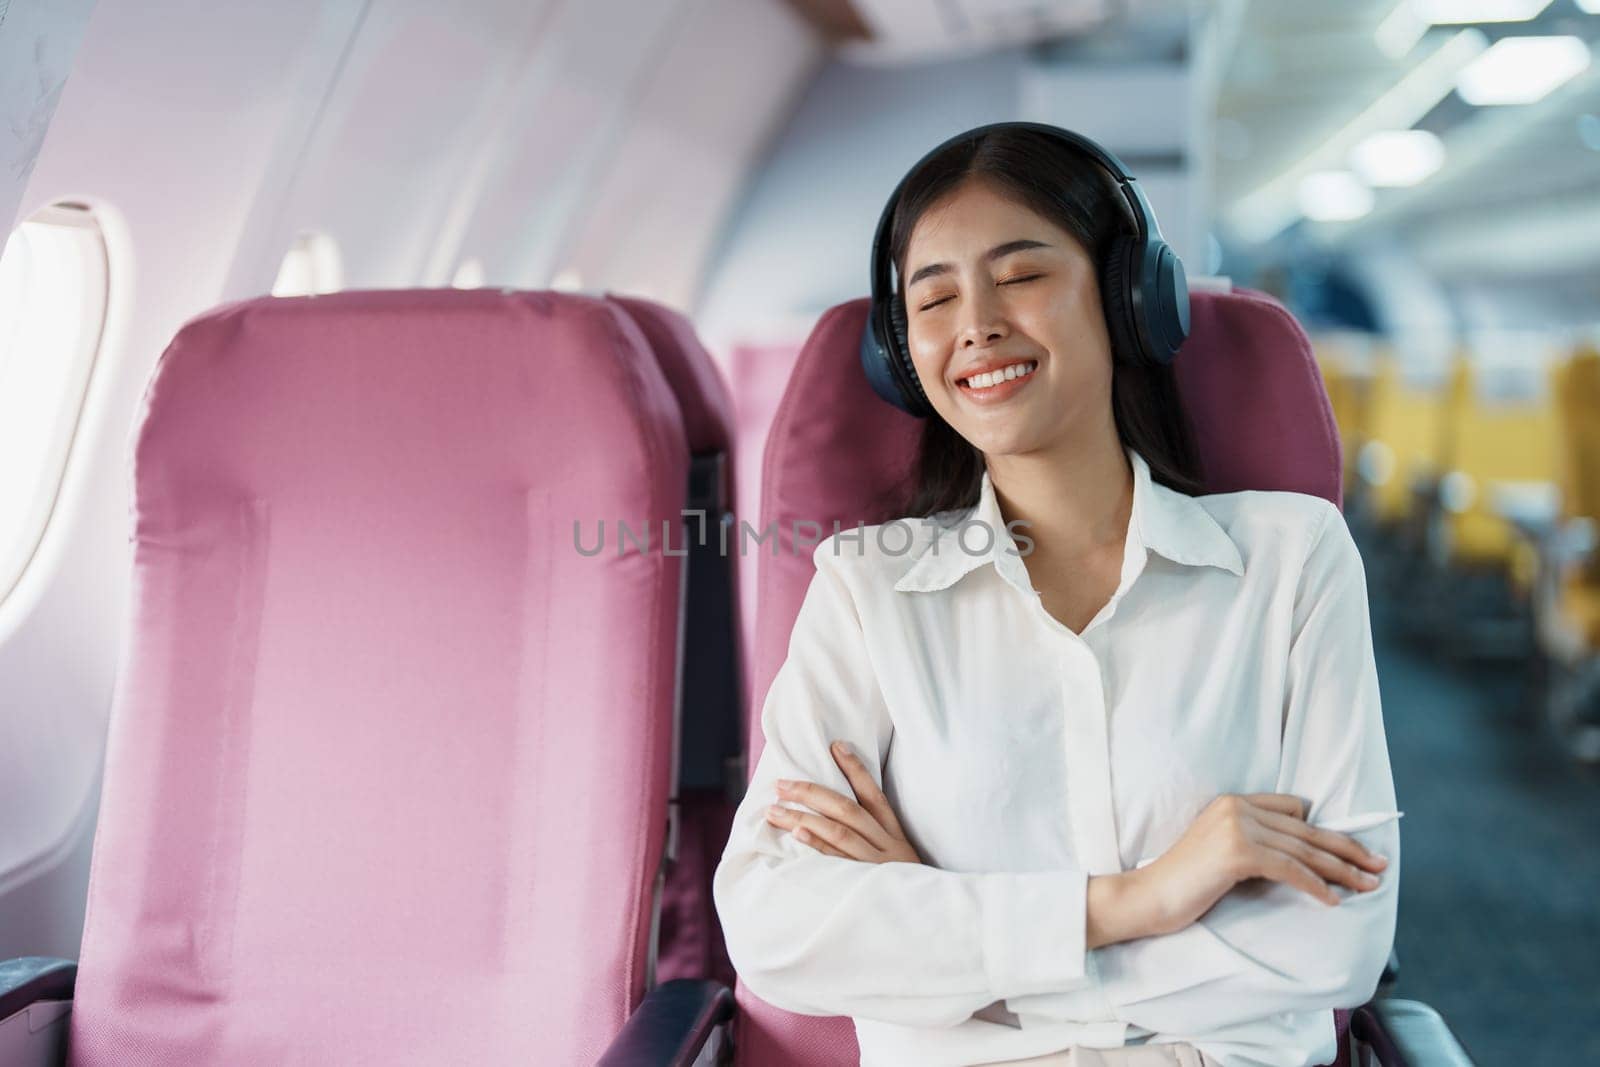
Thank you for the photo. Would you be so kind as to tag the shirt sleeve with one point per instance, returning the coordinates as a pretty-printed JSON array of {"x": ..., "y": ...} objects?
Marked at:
[
  {"x": 894, "y": 942},
  {"x": 1266, "y": 947}
]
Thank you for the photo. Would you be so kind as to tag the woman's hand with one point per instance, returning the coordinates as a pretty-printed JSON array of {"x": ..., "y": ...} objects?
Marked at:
[
  {"x": 866, "y": 831},
  {"x": 1259, "y": 835}
]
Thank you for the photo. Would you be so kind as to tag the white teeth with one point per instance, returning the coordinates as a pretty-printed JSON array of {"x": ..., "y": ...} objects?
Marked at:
[{"x": 992, "y": 378}]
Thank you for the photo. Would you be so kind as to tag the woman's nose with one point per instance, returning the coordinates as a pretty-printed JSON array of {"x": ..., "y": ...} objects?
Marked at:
[
  {"x": 983, "y": 321},
  {"x": 983, "y": 330}
]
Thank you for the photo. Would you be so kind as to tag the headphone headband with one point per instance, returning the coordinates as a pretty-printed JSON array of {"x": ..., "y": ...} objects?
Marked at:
[
  {"x": 1144, "y": 218},
  {"x": 1155, "y": 303}
]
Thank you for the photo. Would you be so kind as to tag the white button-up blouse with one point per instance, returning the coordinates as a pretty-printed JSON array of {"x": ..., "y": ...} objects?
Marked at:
[{"x": 1234, "y": 657}]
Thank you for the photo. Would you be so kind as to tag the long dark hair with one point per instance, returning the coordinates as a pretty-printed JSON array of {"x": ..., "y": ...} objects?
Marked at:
[{"x": 1065, "y": 186}]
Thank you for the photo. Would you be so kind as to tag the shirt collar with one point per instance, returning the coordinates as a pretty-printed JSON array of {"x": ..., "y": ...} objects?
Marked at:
[{"x": 1165, "y": 521}]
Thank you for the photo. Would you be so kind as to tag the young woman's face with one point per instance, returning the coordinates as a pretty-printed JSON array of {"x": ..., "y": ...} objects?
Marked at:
[{"x": 992, "y": 286}]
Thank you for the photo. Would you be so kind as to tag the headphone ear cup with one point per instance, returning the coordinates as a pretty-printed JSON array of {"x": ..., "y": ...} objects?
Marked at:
[
  {"x": 897, "y": 321},
  {"x": 916, "y": 400},
  {"x": 1116, "y": 296}
]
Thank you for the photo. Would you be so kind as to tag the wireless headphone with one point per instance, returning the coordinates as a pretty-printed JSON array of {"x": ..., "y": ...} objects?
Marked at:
[{"x": 1142, "y": 285}]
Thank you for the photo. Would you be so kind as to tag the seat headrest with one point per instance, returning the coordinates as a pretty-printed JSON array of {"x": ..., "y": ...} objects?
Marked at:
[
  {"x": 702, "y": 392},
  {"x": 387, "y": 391}
]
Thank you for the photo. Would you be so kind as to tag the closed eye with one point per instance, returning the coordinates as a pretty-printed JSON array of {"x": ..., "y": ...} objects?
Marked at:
[{"x": 1009, "y": 281}]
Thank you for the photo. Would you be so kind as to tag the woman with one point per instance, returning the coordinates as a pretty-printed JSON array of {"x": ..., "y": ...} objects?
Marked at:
[{"x": 1113, "y": 768}]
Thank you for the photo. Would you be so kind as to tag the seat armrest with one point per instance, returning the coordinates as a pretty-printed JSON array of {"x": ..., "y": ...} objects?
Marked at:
[
  {"x": 1405, "y": 1033},
  {"x": 673, "y": 1026},
  {"x": 1391, "y": 970},
  {"x": 28, "y": 979},
  {"x": 35, "y": 1002}
]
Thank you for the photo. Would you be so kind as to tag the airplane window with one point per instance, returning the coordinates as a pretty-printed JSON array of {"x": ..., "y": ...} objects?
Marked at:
[
  {"x": 312, "y": 265},
  {"x": 52, "y": 308}
]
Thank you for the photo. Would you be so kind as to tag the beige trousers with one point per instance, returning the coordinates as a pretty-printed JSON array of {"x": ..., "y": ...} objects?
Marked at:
[{"x": 1178, "y": 1055}]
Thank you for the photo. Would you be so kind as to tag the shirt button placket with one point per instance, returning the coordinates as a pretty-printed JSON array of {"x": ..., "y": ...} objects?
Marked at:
[{"x": 1088, "y": 759}]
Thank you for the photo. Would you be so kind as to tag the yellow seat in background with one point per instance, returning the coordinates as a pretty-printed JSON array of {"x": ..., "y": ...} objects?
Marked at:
[
  {"x": 1402, "y": 438},
  {"x": 1347, "y": 376},
  {"x": 1499, "y": 426},
  {"x": 1576, "y": 389}
]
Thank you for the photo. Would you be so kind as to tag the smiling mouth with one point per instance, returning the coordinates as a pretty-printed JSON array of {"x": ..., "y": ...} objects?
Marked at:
[{"x": 996, "y": 377}]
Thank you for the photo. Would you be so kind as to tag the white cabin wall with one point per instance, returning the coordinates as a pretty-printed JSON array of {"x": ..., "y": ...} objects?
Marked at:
[
  {"x": 393, "y": 137},
  {"x": 705, "y": 116},
  {"x": 622, "y": 154},
  {"x": 556, "y": 133}
]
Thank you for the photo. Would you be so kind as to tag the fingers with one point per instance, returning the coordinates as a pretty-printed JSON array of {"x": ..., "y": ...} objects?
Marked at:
[
  {"x": 1282, "y": 867},
  {"x": 1326, "y": 865},
  {"x": 1282, "y": 803},
  {"x": 866, "y": 788},
  {"x": 823, "y": 834},
  {"x": 806, "y": 837},
  {"x": 836, "y": 807},
  {"x": 1341, "y": 845}
]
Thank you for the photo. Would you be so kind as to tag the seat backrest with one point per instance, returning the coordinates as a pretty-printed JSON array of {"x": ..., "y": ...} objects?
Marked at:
[
  {"x": 388, "y": 763},
  {"x": 711, "y": 693},
  {"x": 837, "y": 453},
  {"x": 711, "y": 706},
  {"x": 760, "y": 372}
]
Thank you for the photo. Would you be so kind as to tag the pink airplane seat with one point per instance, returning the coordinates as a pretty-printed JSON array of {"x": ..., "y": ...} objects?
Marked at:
[
  {"x": 710, "y": 766},
  {"x": 388, "y": 765},
  {"x": 1280, "y": 434}
]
